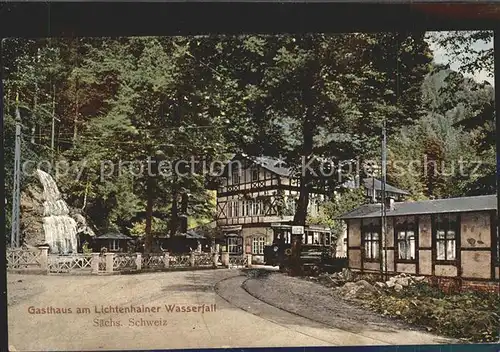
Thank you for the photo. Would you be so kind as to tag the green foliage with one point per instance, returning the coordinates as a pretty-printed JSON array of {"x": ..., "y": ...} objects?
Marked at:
[
  {"x": 86, "y": 249},
  {"x": 341, "y": 203},
  {"x": 437, "y": 156},
  {"x": 126, "y": 99},
  {"x": 469, "y": 49},
  {"x": 159, "y": 227},
  {"x": 472, "y": 317}
]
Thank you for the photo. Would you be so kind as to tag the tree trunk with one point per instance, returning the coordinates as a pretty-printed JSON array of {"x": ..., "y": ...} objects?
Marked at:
[
  {"x": 184, "y": 211},
  {"x": 305, "y": 175},
  {"x": 149, "y": 215},
  {"x": 308, "y": 127},
  {"x": 174, "y": 211}
]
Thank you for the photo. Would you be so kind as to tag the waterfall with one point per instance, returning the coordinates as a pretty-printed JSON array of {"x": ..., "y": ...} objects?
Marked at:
[{"x": 60, "y": 229}]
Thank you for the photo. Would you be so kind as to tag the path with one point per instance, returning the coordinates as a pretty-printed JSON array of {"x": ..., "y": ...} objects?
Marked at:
[{"x": 240, "y": 320}]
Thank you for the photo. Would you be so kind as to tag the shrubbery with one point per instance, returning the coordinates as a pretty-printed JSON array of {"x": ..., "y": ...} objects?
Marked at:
[{"x": 472, "y": 317}]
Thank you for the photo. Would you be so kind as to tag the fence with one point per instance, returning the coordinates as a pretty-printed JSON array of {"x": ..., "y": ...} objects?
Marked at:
[
  {"x": 69, "y": 263},
  {"x": 95, "y": 263},
  {"x": 24, "y": 259}
]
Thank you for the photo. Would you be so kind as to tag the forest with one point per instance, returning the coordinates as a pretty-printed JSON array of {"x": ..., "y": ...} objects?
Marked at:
[{"x": 88, "y": 100}]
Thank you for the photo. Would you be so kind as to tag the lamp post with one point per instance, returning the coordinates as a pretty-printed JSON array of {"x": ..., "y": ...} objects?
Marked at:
[{"x": 16, "y": 191}]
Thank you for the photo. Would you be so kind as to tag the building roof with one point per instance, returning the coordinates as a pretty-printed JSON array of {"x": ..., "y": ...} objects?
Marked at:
[
  {"x": 370, "y": 182},
  {"x": 272, "y": 164},
  {"x": 113, "y": 236},
  {"x": 449, "y": 205}
]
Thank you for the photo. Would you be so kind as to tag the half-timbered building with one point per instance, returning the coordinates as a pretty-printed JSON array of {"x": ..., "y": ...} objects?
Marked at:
[
  {"x": 256, "y": 200},
  {"x": 450, "y": 238}
]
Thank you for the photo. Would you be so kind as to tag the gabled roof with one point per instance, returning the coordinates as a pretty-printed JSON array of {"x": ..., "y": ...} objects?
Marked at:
[
  {"x": 274, "y": 165},
  {"x": 449, "y": 205},
  {"x": 113, "y": 235},
  {"x": 370, "y": 182}
]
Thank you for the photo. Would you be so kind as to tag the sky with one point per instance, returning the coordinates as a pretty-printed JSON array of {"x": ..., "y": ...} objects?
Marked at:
[{"x": 441, "y": 56}]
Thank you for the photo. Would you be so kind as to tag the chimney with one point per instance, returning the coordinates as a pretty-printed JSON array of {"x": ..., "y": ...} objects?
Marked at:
[{"x": 389, "y": 203}]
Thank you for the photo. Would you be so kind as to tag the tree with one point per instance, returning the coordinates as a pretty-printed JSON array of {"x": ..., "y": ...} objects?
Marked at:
[{"x": 471, "y": 49}]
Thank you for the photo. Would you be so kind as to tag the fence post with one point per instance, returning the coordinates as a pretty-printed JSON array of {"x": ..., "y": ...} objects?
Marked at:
[
  {"x": 215, "y": 259},
  {"x": 192, "y": 259},
  {"x": 225, "y": 259},
  {"x": 109, "y": 261},
  {"x": 95, "y": 263},
  {"x": 44, "y": 259},
  {"x": 166, "y": 260},
  {"x": 138, "y": 261},
  {"x": 249, "y": 260}
]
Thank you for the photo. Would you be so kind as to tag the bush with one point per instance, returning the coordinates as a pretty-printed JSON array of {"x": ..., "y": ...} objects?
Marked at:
[{"x": 469, "y": 316}]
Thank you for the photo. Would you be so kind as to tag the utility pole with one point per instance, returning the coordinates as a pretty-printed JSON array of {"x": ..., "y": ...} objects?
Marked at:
[
  {"x": 16, "y": 192},
  {"x": 33, "y": 128},
  {"x": 383, "y": 262},
  {"x": 53, "y": 121}
]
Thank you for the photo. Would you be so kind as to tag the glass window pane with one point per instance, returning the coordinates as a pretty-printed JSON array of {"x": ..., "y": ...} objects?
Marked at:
[
  {"x": 412, "y": 248},
  {"x": 401, "y": 235},
  {"x": 450, "y": 234},
  {"x": 441, "y": 250},
  {"x": 440, "y": 234},
  {"x": 367, "y": 250},
  {"x": 375, "y": 236},
  {"x": 450, "y": 250},
  {"x": 375, "y": 249},
  {"x": 402, "y": 250}
]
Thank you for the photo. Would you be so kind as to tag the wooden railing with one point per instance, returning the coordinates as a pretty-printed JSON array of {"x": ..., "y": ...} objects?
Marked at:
[
  {"x": 238, "y": 261},
  {"x": 96, "y": 263},
  {"x": 69, "y": 263},
  {"x": 23, "y": 258}
]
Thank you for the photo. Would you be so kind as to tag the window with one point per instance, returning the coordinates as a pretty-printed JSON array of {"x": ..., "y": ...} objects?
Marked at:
[
  {"x": 236, "y": 209},
  {"x": 446, "y": 232},
  {"x": 258, "y": 207},
  {"x": 234, "y": 245},
  {"x": 498, "y": 247},
  {"x": 244, "y": 208},
  {"x": 327, "y": 239},
  {"x": 371, "y": 241},
  {"x": 406, "y": 240},
  {"x": 255, "y": 174},
  {"x": 114, "y": 245},
  {"x": 258, "y": 244},
  {"x": 233, "y": 209},
  {"x": 236, "y": 178},
  {"x": 406, "y": 245}
]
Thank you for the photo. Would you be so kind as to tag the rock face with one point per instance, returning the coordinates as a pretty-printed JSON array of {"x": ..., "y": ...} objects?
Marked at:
[
  {"x": 32, "y": 214},
  {"x": 31, "y": 218},
  {"x": 82, "y": 224}
]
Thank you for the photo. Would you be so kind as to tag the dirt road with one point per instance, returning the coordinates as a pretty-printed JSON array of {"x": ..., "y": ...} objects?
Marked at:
[{"x": 198, "y": 309}]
